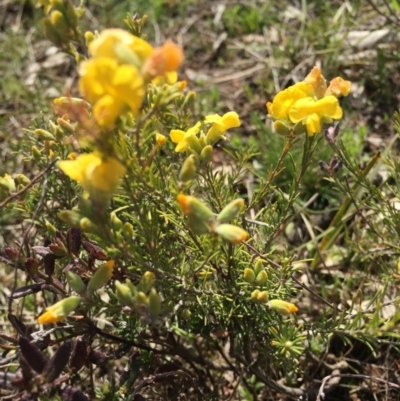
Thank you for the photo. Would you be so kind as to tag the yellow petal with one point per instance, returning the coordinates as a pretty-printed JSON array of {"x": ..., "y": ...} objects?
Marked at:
[
  {"x": 111, "y": 41},
  {"x": 106, "y": 176},
  {"x": 303, "y": 108},
  {"x": 176, "y": 135},
  {"x": 182, "y": 146},
  {"x": 284, "y": 100},
  {"x": 107, "y": 109},
  {"x": 76, "y": 169},
  {"x": 49, "y": 317},
  {"x": 231, "y": 120},
  {"x": 313, "y": 124}
]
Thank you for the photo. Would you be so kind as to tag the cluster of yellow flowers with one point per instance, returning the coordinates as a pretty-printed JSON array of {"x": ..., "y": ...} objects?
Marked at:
[
  {"x": 305, "y": 106},
  {"x": 114, "y": 80},
  {"x": 188, "y": 140},
  {"x": 121, "y": 65}
]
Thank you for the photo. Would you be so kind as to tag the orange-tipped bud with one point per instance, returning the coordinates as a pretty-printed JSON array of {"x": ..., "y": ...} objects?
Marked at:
[
  {"x": 232, "y": 233},
  {"x": 101, "y": 276},
  {"x": 286, "y": 308}
]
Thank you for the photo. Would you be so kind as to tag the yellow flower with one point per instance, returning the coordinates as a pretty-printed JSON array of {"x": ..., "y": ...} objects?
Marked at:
[
  {"x": 312, "y": 112},
  {"x": 59, "y": 310},
  {"x": 93, "y": 172},
  {"x": 284, "y": 100},
  {"x": 220, "y": 125},
  {"x": 111, "y": 88},
  {"x": 161, "y": 139},
  {"x": 286, "y": 308},
  {"x": 306, "y": 105},
  {"x": 338, "y": 87},
  {"x": 182, "y": 138},
  {"x": 120, "y": 46}
]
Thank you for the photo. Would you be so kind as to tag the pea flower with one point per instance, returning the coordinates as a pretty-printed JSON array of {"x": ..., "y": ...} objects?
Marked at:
[
  {"x": 313, "y": 112},
  {"x": 94, "y": 173},
  {"x": 114, "y": 79},
  {"x": 186, "y": 139},
  {"x": 305, "y": 106},
  {"x": 220, "y": 125},
  {"x": 59, "y": 310},
  {"x": 111, "y": 88}
]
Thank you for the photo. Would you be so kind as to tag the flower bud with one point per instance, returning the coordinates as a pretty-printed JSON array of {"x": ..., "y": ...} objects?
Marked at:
[
  {"x": 141, "y": 298},
  {"x": 36, "y": 153},
  {"x": 124, "y": 294},
  {"x": 154, "y": 302},
  {"x": 262, "y": 297},
  {"x": 89, "y": 37},
  {"x": 206, "y": 154},
  {"x": 51, "y": 33},
  {"x": 147, "y": 282},
  {"x": 116, "y": 223},
  {"x": 258, "y": 266},
  {"x": 22, "y": 179},
  {"x": 194, "y": 208},
  {"x": 199, "y": 215},
  {"x": 71, "y": 14},
  {"x": 281, "y": 128},
  {"x": 230, "y": 211},
  {"x": 58, "y": 250},
  {"x": 127, "y": 231},
  {"x": 283, "y": 307},
  {"x": 7, "y": 183},
  {"x": 66, "y": 124},
  {"x": 59, "y": 23},
  {"x": 299, "y": 129},
  {"x": 70, "y": 217},
  {"x": 189, "y": 100},
  {"x": 75, "y": 282},
  {"x": 255, "y": 294},
  {"x": 88, "y": 226},
  {"x": 59, "y": 310},
  {"x": 101, "y": 276},
  {"x": 50, "y": 228},
  {"x": 188, "y": 170},
  {"x": 248, "y": 275},
  {"x": 43, "y": 134},
  {"x": 161, "y": 139},
  {"x": 231, "y": 233},
  {"x": 262, "y": 277},
  {"x": 194, "y": 143},
  {"x": 186, "y": 314}
]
